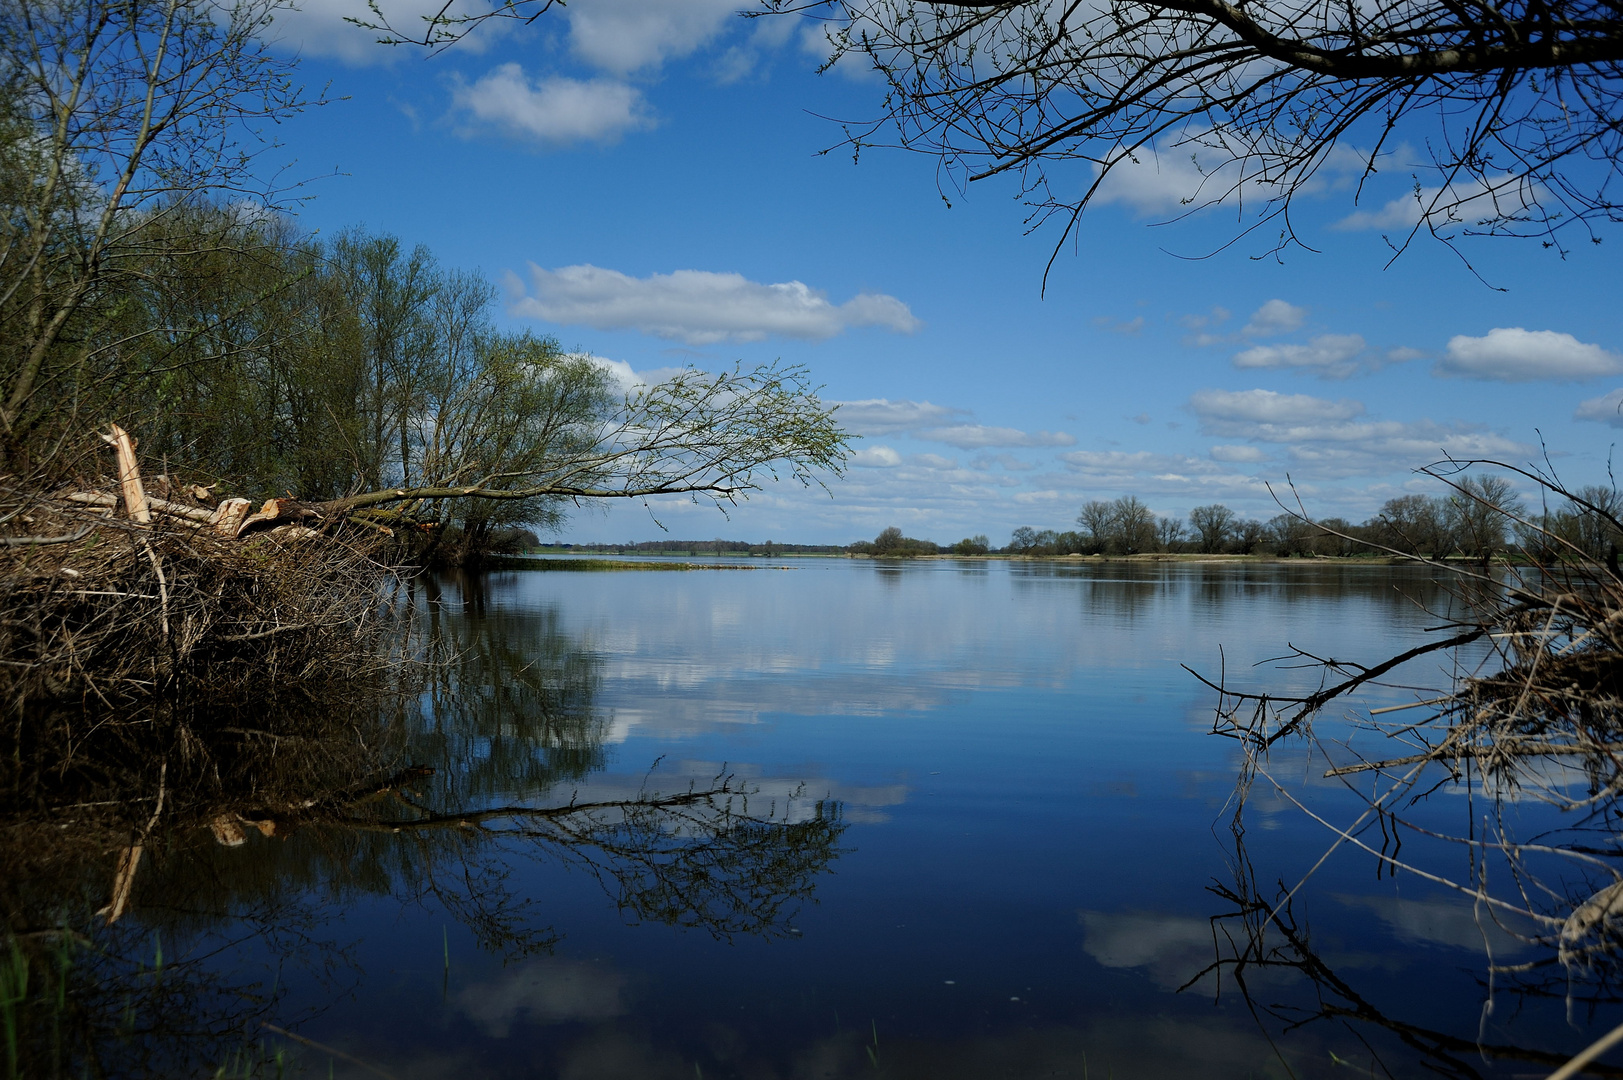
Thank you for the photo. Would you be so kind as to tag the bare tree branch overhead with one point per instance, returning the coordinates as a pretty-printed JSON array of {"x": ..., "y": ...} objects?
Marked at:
[{"x": 1506, "y": 115}]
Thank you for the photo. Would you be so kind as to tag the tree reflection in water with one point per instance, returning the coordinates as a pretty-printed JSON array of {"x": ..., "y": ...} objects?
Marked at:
[
  {"x": 1268, "y": 954},
  {"x": 142, "y": 848}
]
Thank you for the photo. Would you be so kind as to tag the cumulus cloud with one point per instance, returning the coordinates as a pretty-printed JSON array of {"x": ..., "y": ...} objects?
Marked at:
[
  {"x": 1152, "y": 183},
  {"x": 1332, "y": 355},
  {"x": 551, "y": 111},
  {"x": 697, "y": 306},
  {"x": 1145, "y": 472},
  {"x": 1512, "y": 354},
  {"x": 626, "y": 378},
  {"x": 881, "y": 416},
  {"x": 319, "y": 28},
  {"x": 623, "y": 36},
  {"x": 980, "y": 436},
  {"x": 876, "y": 457},
  {"x": 1607, "y": 409},
  {"x": 1274, "y": 317},
  {"x": 1437, "y": 207}
]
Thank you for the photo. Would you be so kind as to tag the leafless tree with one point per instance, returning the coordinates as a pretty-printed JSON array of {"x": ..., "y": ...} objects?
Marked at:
[
  {"x": 1212, "y": 525},
  {"x": 1514, "y": 104}
]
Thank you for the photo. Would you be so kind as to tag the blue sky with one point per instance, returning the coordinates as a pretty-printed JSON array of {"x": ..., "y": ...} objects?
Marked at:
[{"x": 646, "y": 182}]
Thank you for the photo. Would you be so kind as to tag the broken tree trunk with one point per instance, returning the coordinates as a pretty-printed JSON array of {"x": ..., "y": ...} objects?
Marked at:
[{"x": 129, "y": 474}]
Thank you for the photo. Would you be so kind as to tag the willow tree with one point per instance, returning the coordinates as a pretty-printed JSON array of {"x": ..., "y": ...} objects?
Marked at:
[{"x": 713, "y": 437}]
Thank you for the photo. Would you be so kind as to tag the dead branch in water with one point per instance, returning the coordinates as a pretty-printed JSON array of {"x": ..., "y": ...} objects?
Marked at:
[{"x": 1526, "y": 711}]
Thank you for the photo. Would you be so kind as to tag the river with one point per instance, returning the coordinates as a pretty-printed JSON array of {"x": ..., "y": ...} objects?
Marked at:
[{"x": 825, "y": 818}]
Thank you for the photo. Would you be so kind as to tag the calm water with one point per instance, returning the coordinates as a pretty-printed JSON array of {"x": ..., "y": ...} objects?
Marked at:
[{"x": 948, "y": 820}]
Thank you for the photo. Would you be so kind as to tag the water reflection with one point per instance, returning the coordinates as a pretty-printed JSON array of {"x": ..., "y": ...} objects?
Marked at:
[
  {"x": 1291, "y": 982},
  {"x": 167, "y": 870},
  {"x": 1005, "y": 766}
]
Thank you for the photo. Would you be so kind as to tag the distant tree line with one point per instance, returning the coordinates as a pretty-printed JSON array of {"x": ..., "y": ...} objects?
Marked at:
[
  {"x": 701, "y": 547},
  {"x": 1482, "y": 517}
]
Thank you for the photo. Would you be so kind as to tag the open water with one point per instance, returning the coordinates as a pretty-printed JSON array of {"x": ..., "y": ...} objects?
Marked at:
[{"x": 825, "y": 818}]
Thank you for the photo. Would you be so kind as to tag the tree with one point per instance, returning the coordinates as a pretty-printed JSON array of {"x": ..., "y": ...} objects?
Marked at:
[
  {"x": 1516, "y": 103},
  {"x": 1416, "y": 524},
  {"x": 1249, "y": 534},
  {"x": 1168, "y": 531},
  {"x": 1479, "y": 511},
  {"x": 1586, "y": 520},
  {"x": 1097, "y": 520},
  {"x": 116, "y": 116},
  {"x": 1023, "y": 540},
  {"x": 1212, "y": 525},
  {"x": 1133, "y": 525},
  {"x": 715, "y": 437},
  {"x": 972, "y": 545}
]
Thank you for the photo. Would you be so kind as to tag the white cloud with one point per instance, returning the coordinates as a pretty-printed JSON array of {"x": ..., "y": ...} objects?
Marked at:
[
  {"x": 980, "y": 436},
  {"x": 1511, "y": 354},
  {"x": 1274, "y": 317},
  {"x": 881, "y": 416},
  {"x": 1437, "y": 207},
  {"x": 1238, "y": 454},
  {"x": 1144, "y": 472},
  {"x": 1154, "y": 183},
  {"x": 1329, "y": 354},
  {"x": 623, "y": 36},
  {"x": 697, "y": 306},
  {"x": 1270, "y": 407},
  {"x": 1329, "y": 438},
  {"x": 318, "y": 28},
  {"x": 1607, "y": 409},
  {"x": 876, "y": 457},
  {"x": 626, "y": 378},
  {"x": 554, "y": 110}
]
